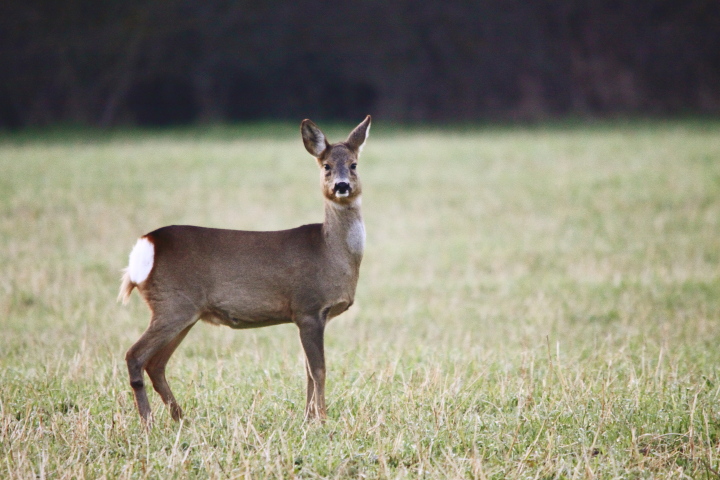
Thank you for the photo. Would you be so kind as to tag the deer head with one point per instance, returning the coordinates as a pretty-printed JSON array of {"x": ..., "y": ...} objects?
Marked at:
[{"x": 338, "y": 162}]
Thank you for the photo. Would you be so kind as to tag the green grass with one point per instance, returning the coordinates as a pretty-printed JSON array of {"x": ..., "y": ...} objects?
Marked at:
[{"x": 533, "y": 303}]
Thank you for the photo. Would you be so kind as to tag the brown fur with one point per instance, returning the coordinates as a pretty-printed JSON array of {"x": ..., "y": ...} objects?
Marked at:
[{"x": 306, "y": 275}]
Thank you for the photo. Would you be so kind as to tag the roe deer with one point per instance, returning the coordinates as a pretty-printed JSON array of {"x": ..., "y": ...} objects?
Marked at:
[{"x": 244, "y": 279}]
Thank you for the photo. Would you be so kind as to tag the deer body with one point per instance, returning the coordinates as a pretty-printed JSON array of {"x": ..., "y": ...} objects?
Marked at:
[{"x": 243, "y": 279}]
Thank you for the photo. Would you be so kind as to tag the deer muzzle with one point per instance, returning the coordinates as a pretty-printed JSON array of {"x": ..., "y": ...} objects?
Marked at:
[{"x": 342, "y": 189}]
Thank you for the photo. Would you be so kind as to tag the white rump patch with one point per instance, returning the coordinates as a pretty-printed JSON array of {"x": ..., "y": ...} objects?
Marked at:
[{"x": 141, "y": 260}]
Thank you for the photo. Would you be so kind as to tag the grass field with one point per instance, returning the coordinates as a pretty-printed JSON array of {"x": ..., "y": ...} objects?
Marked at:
[{"x": 533, "y": 303}]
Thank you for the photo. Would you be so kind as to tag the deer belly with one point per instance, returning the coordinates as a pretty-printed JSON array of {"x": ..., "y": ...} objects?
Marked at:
[{"x": 241, "y": 320}]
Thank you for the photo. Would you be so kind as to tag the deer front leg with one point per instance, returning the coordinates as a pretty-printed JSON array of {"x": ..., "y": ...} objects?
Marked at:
[
  {"x": 311, "y": 337},
  {"x": 310, "y": 387}
]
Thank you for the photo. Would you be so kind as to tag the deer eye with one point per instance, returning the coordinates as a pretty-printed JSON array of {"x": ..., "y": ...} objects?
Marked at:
[
  {"x": 326, "y": 167},
  {"x": 353, "y": 166}
]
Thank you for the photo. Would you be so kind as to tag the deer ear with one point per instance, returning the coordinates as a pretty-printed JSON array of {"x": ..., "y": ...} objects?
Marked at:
[
  {"x": 356, "y": 139},
  {"x": 314, "y": 139}
]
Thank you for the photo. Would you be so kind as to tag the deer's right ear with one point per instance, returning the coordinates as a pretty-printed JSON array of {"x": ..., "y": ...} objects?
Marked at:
[{"x": 314, "y": 140}]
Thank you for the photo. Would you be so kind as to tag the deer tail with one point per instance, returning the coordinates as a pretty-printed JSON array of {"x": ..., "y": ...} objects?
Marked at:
[{"x": 126, "y": 288}]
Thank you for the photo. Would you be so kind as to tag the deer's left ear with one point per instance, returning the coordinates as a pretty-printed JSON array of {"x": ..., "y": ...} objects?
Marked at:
[{"x": 356, "y": 139}]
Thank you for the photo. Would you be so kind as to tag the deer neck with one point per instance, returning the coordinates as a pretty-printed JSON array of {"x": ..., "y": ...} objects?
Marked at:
[{"x": 344, "y": 229}]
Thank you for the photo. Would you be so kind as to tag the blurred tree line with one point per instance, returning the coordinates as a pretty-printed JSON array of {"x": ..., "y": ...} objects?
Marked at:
[{"x": 155, "y": 62}]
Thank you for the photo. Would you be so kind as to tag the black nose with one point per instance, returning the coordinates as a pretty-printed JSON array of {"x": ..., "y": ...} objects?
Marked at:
[{"x": 342, "y": 187}]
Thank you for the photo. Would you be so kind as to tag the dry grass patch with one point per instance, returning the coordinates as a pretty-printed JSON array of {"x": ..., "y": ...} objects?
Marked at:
[{"x": 533, "y": 303}]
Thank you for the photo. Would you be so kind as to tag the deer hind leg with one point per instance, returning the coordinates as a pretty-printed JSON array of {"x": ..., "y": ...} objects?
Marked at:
[
  {"x": 311, "y": 337},
  {"x": 163, "y": 329},
  {"x": 155, "y": 369}
]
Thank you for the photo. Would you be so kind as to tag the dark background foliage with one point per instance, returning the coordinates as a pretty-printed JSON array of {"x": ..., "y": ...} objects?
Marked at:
[{"x": 158, "y": 62}]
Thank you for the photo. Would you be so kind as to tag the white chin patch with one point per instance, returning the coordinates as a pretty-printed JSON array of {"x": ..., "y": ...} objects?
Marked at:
[
  {"x": 342, "y": 195},
  {"x": 142, "y": 258}
]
